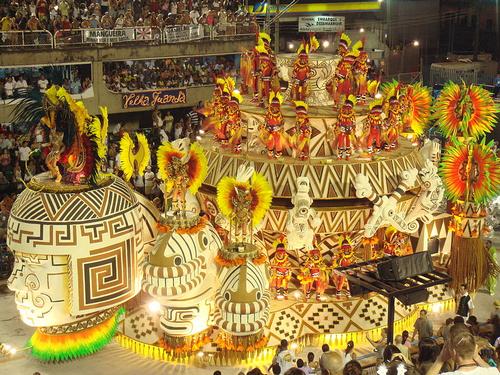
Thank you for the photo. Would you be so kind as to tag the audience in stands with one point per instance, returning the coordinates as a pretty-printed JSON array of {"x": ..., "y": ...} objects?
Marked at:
[
  {"x": 127, "y": 76},
  {"x": 226, "y": 16}
]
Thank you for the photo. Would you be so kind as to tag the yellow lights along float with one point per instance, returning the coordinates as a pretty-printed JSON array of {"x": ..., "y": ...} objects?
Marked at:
[{"x": 277, "y": 205}]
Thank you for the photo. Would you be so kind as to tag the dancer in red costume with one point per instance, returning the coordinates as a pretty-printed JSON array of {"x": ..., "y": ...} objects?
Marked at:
[
  {"x": 344, "y": 43},
  {"x": 301, "y": 73},
  {"x": 281, "y": 273},
  {"x": 272, "y": 133},
  {"x": 312, "y": 275},
  {"x": 375, "y": 123},
  {"x": 302, "y": 136},
  {"x": 393, "y": 121},
  {"x": 344, "y": 258},
  {"x": 233, "y": 129},
  {"x": 360, "y": 71},
  {"x": 346, "y": 124}
]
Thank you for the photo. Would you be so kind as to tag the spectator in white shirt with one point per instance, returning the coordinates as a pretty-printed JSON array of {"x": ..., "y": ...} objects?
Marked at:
[
  {"x": 24, "y": 155},
  {"x": 9, "y": 87},
  {"x": 149, "y": 177},
  {"x": 43, "y": 84},
  {"x": 20, "y": 85}
]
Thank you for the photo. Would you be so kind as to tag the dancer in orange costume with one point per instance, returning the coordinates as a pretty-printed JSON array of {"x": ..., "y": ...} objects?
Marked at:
[
  {"x": 360, "y": 70},
  {"x": 266, "y": 71},
  {"x": 255, "y": 56},
  {"x": 346, "y": 123},
  {"x": 280, "y": 269},
  {"x": 345, "y": 257},
  {"x": 375, "y": 124},
  {"x": 303, "y": 131},
  {"x": 234, "y": 124},
  {"x": 312, "y": 275},
  {"x": 342, "y": 86},
  {"x": 301, "y": 73},
  {"x": 272, "y": 133},
  {"x": 393, "y": 122},
  {"x": 221, "y": 114}
]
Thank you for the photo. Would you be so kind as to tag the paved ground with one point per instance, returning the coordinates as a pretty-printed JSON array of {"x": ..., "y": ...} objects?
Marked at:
[{"x": 114, "y": 360}]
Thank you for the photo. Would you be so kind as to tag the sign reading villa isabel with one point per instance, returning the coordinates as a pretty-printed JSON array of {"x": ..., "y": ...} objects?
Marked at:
[{"x": 152, "y": 98}]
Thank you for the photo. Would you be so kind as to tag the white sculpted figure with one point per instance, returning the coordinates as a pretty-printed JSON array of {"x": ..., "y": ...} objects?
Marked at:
[{"x": 302, "y": 220}]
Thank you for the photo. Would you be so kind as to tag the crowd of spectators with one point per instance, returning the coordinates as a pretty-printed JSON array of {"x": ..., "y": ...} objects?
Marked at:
[
  {"x": 53, "y": 15},
  {"x": 14, "y": 83},
  {"x": 126, "y": 76},
  {"x": 459, "y": 347}
]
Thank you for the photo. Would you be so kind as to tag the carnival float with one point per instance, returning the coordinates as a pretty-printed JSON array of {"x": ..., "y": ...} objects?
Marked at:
[{"x": 305, "y": 169}]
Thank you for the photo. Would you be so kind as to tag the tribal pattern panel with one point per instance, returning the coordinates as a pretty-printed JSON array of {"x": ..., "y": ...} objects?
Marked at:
[
  {"x": 294, "y": 319},
  {"x": 71, "y": 223},
  {"x": 335, "y": 180},
  {"x": 109, "y": 275},
  {"x": 142, "y": 326}
]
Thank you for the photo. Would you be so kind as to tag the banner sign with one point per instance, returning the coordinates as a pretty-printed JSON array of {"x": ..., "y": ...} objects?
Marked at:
[
  {"x": 183, "y": 33},
  {"x": 152, "y": 98},
  {"x": 108, "y": 36},
  {"x": 321, "y": 24}
]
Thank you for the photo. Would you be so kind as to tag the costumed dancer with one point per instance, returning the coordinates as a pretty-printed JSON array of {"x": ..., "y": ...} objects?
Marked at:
[
  {"x": 303, "y": 131},
  {"x": 134, "y": 159},
  {"x": 234, "y": 130},
  {"x": 393, "y": 122},
  {"x": 360, "y": 69},
  {"x": 301, "y": 73},
  {"x": 246, "y": 71},
  {"x": 181, "y": 166},
  {"x": 280, "y": 268},
  {"x": 267, "y": 66},
  {"x": 375, "y": 123},
  {"x": 224, "y": 122},
  {"x": 243, "y": 200},
  {"x": 345, "y": 257},
  {"x": 272, "y": 133},
  {"x": 312, "y": 275},
  {"x": 346, "y": 123},
  {"x": 343, "y": 78}
]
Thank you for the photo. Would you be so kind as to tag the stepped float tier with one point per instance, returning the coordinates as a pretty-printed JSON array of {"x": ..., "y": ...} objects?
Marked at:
[
  {"x": 322, "y": 70},
  {"x": 331, "y": 179}
]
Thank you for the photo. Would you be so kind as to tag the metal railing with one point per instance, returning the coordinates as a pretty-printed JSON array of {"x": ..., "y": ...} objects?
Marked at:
[
  {"x": 126, "y": 35},
  {"x": 26, "y": 38}
]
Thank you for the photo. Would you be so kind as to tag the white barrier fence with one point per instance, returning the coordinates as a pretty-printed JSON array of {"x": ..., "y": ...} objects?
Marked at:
[{"x": 138, "y": 34}]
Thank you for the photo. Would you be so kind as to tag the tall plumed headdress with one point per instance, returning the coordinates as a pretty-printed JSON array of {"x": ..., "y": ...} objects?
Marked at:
[
  {"x": 190, "y": 154},
  {"x": 132, "y": 158},
  {"x": 256, "y": 187}
]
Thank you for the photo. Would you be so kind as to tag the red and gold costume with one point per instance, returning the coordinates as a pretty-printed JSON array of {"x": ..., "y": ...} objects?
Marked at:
[
  {"x": 255, "y": 57},
  {"x": 267, "y": 66},
  {"x": 302, "y": 136},
  {"x": 346, "y": 124},
  {"x": 182, "y": 166},
  {"x": 312, "y": 274},
  {"x": 272, "y": 133},
  {"x": 344, "y": 258},
  {"x": 375, "y": 124},
  {"x": 246, "y": 71},
  {"x": 396, "y": 243},
  {"x": 280, "y": 269},
  {"x": 301, "y": 69},
  {"x": 233, "y": 129},
  {"x": 342, "y": 85},
  {"x": 360, "y": 70},
  {"x": 393, "y": 122}
]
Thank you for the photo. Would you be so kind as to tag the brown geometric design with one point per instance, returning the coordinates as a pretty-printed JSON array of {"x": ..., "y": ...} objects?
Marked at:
[{"x": 107, "y": 277}]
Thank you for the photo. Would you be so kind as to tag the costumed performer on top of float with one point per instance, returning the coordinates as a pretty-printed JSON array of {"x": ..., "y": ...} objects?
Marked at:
[
  {"x": 312, "y": 275},
  {"x": 266, "y": 68},
  {"x": 181, "y": 166},
  {"x": 234, "y": 128},
  {"x": 344, "y": 258},
  {"x": 374, "y": 124},
  {"x": 280, "y": 268},
  {"x": 345, "y": 127},
  {"x": 302, "y": 133},
  {"x": 360, "y": 72},
  {"x": 301, "y": 69},
  {"x": 272, "y": 133}
]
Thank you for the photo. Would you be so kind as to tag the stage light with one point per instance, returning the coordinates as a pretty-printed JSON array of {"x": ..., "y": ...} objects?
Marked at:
[
  {"x": 290, "y": 46},
  {"x": 367, "y": 60},
  {"x": 198, "y": 138},
  {"x": 326, "y": 43},
  {"x": 416, "y": 43},
  {"x": 13, "y": 351},
  {"x": 154, "y": 306},
  {"x": 378, "y": 95},
  {"x": 362, "y": 30},
  {"x": 380, "y": 1},
  {"x": 200, "y": 354},
  {"x": 294, "y": 346},
  {"x": 385, "y": 36},
  {"x": 202, "y": 131}
]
